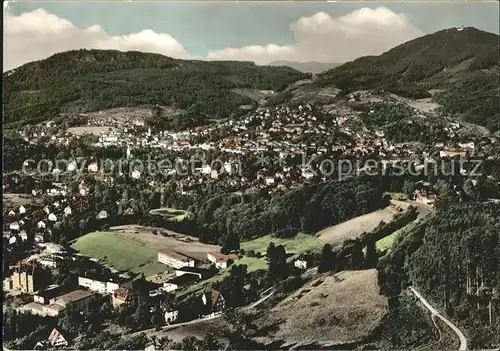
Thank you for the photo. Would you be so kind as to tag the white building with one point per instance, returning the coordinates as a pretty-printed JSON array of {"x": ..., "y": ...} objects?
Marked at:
[
  {"x": 14, "y": 226},
  {"x": 220, "y": 260},
  {"x": 67, "y": 210},
  {"x": 174, "y": 259},
  {"x": 52, "y": 217},
  {"x": 102, "y": 215},
  {"x": 22, "y": 210},
  {"x": 93, "y": 167},
  {"x": 102, "y": 287},
  {"x": 41, "y": 225},
  {"x": 171, "y": 316}
]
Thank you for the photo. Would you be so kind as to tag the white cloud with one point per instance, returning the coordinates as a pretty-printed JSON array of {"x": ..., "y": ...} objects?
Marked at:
[
  {"x": 37, "y": 35},
  {"x": 324, "y": 38}
]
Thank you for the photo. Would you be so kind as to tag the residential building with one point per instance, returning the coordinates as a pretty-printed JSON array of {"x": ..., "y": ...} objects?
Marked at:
[
  {"x": 171, "y": 316},
  {"x": 97, "y": 285},
  {"x": 220, "y": 260},
  {"x": 213, "y": 303},
  {"x": 303, "y": 262},
  {"x": 175, "y": 259},
  {"x": 14, "y": 226},
  {"x": 122, "y": 295},
  {"x": 102, "y": 215},
  {"x": 180, "y": 281},
  {"x": 56, "y": 339}
]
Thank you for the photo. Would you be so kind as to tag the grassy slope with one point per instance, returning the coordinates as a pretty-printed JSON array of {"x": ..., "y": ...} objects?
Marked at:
[
  {"x": 92, "y": 80},
  {"x": 301, "y": 243},
  {"x": 334, "y": 309},
  {"x": 119, "y": 253}
]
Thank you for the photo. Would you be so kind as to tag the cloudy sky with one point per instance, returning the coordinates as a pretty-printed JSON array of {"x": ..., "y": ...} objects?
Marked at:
[{"x": 260, "y": 32}]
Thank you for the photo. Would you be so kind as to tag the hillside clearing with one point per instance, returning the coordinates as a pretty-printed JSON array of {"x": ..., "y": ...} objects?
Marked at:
[
  {"x": 353, "y": 228},
  {"x": 170, "y": 213},
  {"x": 119, "y": 253},
  {"x": 336, "y": 309},
  {"x": 301, "y": 243},
  {"x": 169, "y": 240}
]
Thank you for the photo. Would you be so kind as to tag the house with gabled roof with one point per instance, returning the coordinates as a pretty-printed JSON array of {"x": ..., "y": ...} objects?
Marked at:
[
  {"x": 56, "y": 339},
  {"x": 213, "y": 303}
]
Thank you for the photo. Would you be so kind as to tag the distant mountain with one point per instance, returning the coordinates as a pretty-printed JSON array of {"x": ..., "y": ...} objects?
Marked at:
[
  {"x": 461, "y": 64},
  {"x": 92, "y": 80},
  {"x": 306, "y": 67}
]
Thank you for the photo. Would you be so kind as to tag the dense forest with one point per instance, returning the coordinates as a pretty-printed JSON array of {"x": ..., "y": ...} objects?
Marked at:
[
  {"x": 464, "y": 64},
  {"x": 308, "y": 209},
  {"x": 453, "y": 258},
  {"x": 91, "y": 80}
]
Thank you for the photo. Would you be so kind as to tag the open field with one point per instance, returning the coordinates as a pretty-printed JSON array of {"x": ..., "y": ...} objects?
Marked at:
[
  {"x": 88, "y": 130},
  {"x": 170, "y": 213},
  {"x": 351, "y": 229},
  {"x": 301, "y": 243},
  {"x": 335, "y": 309},
  {"x": 119, "y": 253},
  {"x": 181, "y": 243}
]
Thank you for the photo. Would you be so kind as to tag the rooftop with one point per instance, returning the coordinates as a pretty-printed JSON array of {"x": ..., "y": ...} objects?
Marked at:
[
  {"x": 175, "y": 255},
  {"x": 184, "y": 279},
  {"x": 221, "y": 257},
  {"x": 73, "y": 296}
]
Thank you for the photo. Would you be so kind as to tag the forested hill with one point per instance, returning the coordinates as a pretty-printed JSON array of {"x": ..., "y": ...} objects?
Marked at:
[
  {"x": 90, "y": 80},
  {"x": 453, "y": 259},
  {"x": 464, "y": 64}
]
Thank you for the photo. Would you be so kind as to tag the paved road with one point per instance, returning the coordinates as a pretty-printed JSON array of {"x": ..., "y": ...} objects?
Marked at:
[{"x": 434, "y": 312}]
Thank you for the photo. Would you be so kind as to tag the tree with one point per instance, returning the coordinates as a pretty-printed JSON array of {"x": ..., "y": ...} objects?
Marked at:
[
  {"x": 231, "y": 242},
  {"x": 276, "y": 262},
  {"x": 357, "y": 256},
  {"x": 232, "y": 286},
  {"x": 371, "y": 259},
  {"x": 327, "y": 260}
]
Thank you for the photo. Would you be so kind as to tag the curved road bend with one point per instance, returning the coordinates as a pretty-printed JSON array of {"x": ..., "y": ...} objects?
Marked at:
[{"x": 434, "y": 312}]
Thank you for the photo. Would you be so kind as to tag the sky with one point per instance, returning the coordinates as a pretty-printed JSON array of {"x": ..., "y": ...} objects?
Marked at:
[{"x": 250, "y": 31}]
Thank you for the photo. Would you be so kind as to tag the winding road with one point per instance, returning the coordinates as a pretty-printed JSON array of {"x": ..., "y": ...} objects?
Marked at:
[{"x": 434, "y": 312}]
